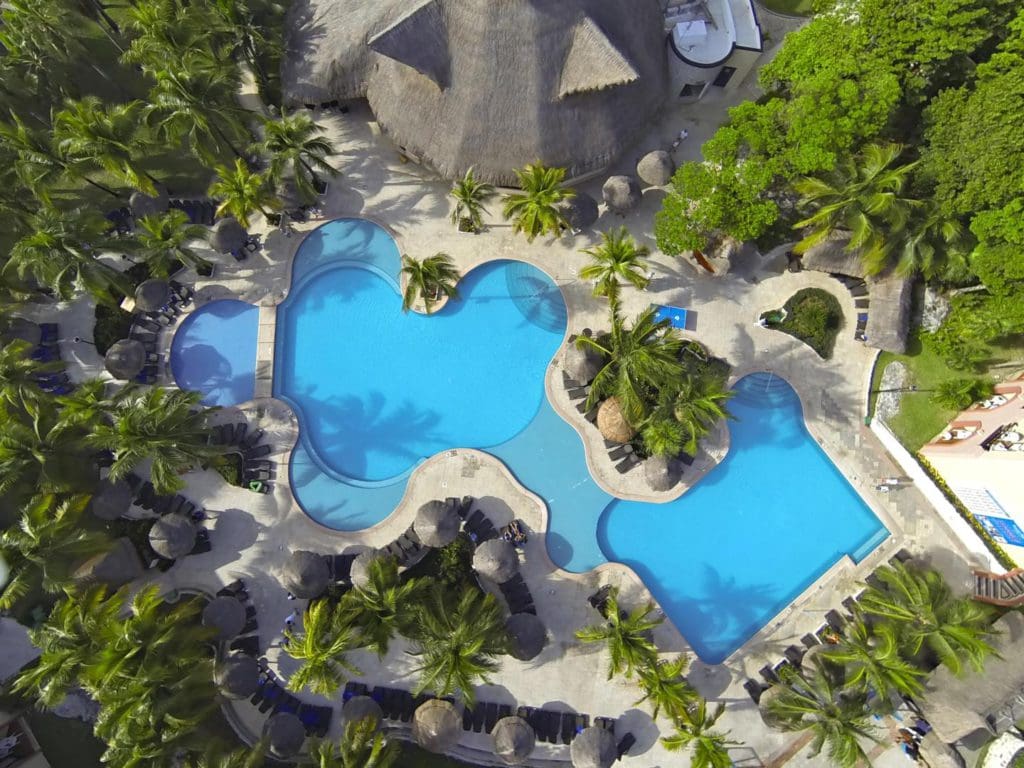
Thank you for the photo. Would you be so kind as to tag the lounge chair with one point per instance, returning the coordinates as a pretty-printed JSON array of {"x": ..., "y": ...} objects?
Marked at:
[
  {"x": 569, "y": 381},
  {"x": 768, "y": 674},
  {"x": 755, "y": 689},
  {"x": 608, "y": 723},
  {"x": 479, "y": 717},
  {"x": 234, "y": 589},
  {"x": 504, "y": 710},
  {"x": 258, "y": 452},
  {"x": 810, "y": 640},
  {"x": 568, "y": 727},
  {"x": 628, "y": 463},
  {"x": 203, "y": 544},
  {"x": 582, "y": 723},
  {"x": 578, "y": 393},
  {"x": 49, "y": 332},
  {"x": 251, "y": 439},
  {"x": 794, "y": 655},
  {"x": 490, "y": 716},
  {"x": 620, "y": 452},
  {"x": 467, "y": 719},
  {"x": 834, "y": 620},
  {"x": 250, "y": 646}
]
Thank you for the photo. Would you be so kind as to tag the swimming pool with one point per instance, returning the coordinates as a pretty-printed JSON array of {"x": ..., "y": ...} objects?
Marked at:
[
  {"x": 376, "y": 391},
  {"x": 214, "y": 352}
]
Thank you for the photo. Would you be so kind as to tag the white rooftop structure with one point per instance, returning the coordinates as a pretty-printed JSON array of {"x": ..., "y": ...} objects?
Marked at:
[{"x": 704, "y": 33}]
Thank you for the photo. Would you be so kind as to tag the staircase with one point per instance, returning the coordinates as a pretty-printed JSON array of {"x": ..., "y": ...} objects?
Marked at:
[{"x": 1006, "y": 589}]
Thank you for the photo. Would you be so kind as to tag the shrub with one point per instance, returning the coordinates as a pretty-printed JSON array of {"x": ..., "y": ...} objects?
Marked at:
[
  {"x": 813, "y": 316},
  {"x": 112, "y": 324},
  {"x": 957, "y": 394}
]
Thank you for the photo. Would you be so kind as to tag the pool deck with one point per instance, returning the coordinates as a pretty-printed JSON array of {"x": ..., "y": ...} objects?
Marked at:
[{"x": 252, "y": 534}]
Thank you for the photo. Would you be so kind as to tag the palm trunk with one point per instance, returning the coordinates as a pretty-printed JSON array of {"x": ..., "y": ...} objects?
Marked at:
[
  {"x": 96, "y": 184},
  {"x": 227, "y": 141}
]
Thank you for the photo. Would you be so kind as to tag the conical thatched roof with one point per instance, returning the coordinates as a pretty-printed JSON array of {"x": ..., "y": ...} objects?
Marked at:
[
  {"x": 588, "y": 75},
  {"x": 359, "y": 574},
  {"x": 526, "y": 634},
  {"x": 143, "y": 205},
  {"x": 125, "y": 359},
  {"x": 20, "y": 329},
  {"x": 115, "y": 567},
  {"x": 227, "y": 235},
  {"x": 581, "y": 364},
  {"x": 612, "y": 423},
  {"x": 436, "y": 523},
  {"x": 436, "y": 725},
  {"x": 593, "y": 748},
  {"x": 621, "y": 193},
  {"x": 152, "y": 295},
  {"x": 172, "y": 536},
  {"x": 285, "y": 734},
  {"x": 497, "y": 560},
  {"x": 656, "y": 168},
  {"x": 226, "y": 615},
  {"x": 237, "y": 676},
  {"x": 111, "y": 499},
  {"x": 306, "y": 574},
  {"x": 766, "y": 698},
  {"x": 514, "y": 740},
  {"x": 359, "y": 708},
  {"x": 580, "y": 210},
  {"x": 661, "y": 473}
]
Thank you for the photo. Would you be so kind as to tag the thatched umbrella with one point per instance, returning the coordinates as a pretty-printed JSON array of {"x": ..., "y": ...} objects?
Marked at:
[
  {"x": 172, "y": 536},
  {"x": 526, "y": 634},
  {"x": 226, "y": 615},
  {"x": 580, "y": 210},
  {"x": 582, "y": 364},
  {"x": 594, "y": 747},
  {"x": 767, "y": 696},
  {"x": 111, "y": 499},
  {"x": 436, "y": 523},
  {"x": 20, "y": 329},
  {"x": 143, "y": 205},
  {"x": 514, "y": 740},
  {"x": 125, "y": 359},
  {"x": 227, "y": 235},
  {"x": 359, "y": 708},
  {"x": 237, "y": 676},
  {"x": 359, "y": 574},
  {"x": 656, "y": 168},
  {"x": 152, "y": 295},
  {"x": 612, "y": 422},
  {"x": 436, "y": 725},
  {"x": 497, "y": 560},
  {"x": 115, "y": 567},
  {"x": 285, "y": 734},
  {"x": 661, "y": 473},
  {"x": 306, "y": 574},
  {"x": 621, "y": 193}
]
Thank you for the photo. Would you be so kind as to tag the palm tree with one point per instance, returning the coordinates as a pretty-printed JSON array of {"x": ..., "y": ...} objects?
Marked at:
[
  {"x": 162, "y": 239},
  {"x": 84, "y": 407},
  {"x": 863, "y": 197},
  {"x": 321, "y": 646},
  {"x": 242, "y": 191},
  {"x": 384, "y": 606},
  {"x": 663, "y": 435},
  {"x": 871, "y": 659},
  {"x": 470, "y": 195},
  {"x": 34, "y": 452},
  {"x": 627, "y": 635},
  {"x": 640, "y": 360},
  {"x": 924, "y": 612},
  {"x": 458, "y": 642},
  {"x": 699, "y": 404},
  {"x": 693, "y": 729},
  {"x": 18, "y": 376},
  {"x": 46, "y": 545},
  {"x": 931, "y": 244},
  {"x": 246, "y": 33},
  {"x": 618, "y": 256},
  {"x": 237, "y": 758},
  {"x": 295, "y": 144},
  {"x": 428, "y": 279},
  {"x": 535, "y": 209},
  {"x": 957, "y": 394},
  {"x": 665, "y": 687},
  {"x": 158, "y": 424},
  {"x": 363, "y": 746},
  {"x": 39, "y": 37}
]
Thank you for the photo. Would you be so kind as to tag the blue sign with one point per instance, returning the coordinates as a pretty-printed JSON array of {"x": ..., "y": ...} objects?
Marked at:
[{"x": 1002, "y": 528}]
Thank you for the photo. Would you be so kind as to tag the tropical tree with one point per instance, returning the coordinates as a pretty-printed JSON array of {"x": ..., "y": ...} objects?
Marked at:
[
  {"x": 470, "y": 195},
  {"x": 19, "y": 374},
  {"x": 535, "y": 210},
  {"x": 618, "y": 256},
  {"x": 663, "y": 435},
  {"x": 924, "y": 612},
  {"x": 384, "y": 606},
  {"x": 321, "y": 646},
  {"x": 363, "y": 746},
  {"x": 242, "y": 191},
  {"x": 295, "y": 145},
  {"x": 957, "y": 394},
  {"x": 457, "y": 641},
  {"x": 710, "y": 749},
  {"x": 166, "y": 30},
  {"x": 83, "y": 408},
  {"x": 35, "y": 453},
  {"x": 871, "y": 659},
  {"x": 39, "y": 37},
  {"x": 934, "y": 244},
  {"x": 864, "y": 197},
  {"x": 665, "y": 687},
  {"x": 627, "y": 635},
  {"x": 217, "y": 757},
  {"x": 428, "y": 279},
  {"x": 698, "y": 404},
  {"x": 162, "y": 239},
  {"x": 158, "y": 424}
]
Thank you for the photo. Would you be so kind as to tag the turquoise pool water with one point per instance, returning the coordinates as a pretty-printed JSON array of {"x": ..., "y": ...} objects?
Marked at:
[
  {"x": 214, "y": 352},
  {"x": 377, "y": 391}
]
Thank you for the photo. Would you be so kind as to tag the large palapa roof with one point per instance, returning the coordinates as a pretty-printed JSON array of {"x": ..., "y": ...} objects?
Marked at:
[{"x": 492, "y": 84}]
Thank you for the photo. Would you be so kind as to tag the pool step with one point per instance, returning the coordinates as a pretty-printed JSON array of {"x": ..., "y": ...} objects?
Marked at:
[{"x": 265, "y": 351}]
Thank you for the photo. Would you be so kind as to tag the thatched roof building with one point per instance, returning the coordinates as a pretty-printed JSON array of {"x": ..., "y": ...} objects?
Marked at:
[{"x": 462, "y": 83}]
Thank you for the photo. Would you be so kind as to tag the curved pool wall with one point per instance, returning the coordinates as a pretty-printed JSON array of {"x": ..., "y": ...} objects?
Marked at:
[{"x": 214, "y": 352}]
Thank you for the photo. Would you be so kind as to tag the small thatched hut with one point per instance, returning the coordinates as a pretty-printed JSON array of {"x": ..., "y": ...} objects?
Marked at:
[
  {"x": 115, "y": 567},
  {"x": 111, "y": 499},
  {"x": 437, "y": 523},
  {"x": 125, "y": 359},
  {"x": 526, "y": 634},
  {"x": 594, "y": 747},
  {"x": 152, "y": 295},
  {"x": 359, "y": 708},
  {"x": 662, "y": 473},
  {"x": 226, "y": 615},
  {"x": 172, "y": 536},
  {"x": 305, "y": 575},
  {"x": 359, "y": 573},
  {"x": 582, "y": 365},
  {"x": 514, "y": 740},
  {"x": 436, "y": 725},
  {"x": 656, "y": 168},
  {"x": 496, "y": 560},
  {"x": 227, "y": 235},
  {"x": 612, "y": 422},
  {"x": 580, "y": 211},
  {"x": 621, "y": 193},
  {"x": 237, "y": 676},
  {"x": 285, "y": 734}
]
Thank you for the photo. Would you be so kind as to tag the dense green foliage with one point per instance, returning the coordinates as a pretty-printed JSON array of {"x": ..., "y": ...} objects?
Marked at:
[
  {"x": 814, "y": 316},
  {"x": 534, "y": 210},
  {"x": 428, "y": 280}
]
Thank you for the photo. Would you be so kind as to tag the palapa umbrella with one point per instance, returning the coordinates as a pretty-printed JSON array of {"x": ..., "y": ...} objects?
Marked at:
[
  {"x": 656, "y": 168},
  {"x": 437, "y": 524},
  {"x": 285, "y": 734},
  {"x": 152, "y": 295},
  {"x": 359, "y": 708},
  {"x": 172, "y": 536},
  {"x": 594, "y": 747},
  {"x": 580, "y": 210},
  {"x": 436, "y": 725},
  {"x": 125, "y": 359},
  {"x": 661, "y": 473},
  {"x": 526, "y": 634},
  {"x": 20, "y": 329},
  {"x": 237, "y": 676},
  {"x": 514, "y": 740},
  {"x": 621, "y": 193},
  {"x": 227, "y": 235},
  {"x": 226, "y": 615},
  {"x": 497, "y": 560},
  {"x": 111, "y": 499},
  {"x": 770, "y": 719},
  {"x": 359, "y": 574},
  {"x": 612, "y": 422},
  {"x": 306, "y": 574},
  {"x": 117, "y": 566},
  {"x": 143, "y": 205},
  {"x": 582, "y": 364}
]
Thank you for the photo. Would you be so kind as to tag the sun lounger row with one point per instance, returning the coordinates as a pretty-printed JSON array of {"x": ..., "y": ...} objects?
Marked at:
[
  {"x": 198, "y": 211},
  {"x": 272, "y": 697},
  {"x": 173, "y": 504},
  {"x": 462, "y": 506},
  {"x": 517, "y": 595},
  {"x": 480, "y": 528},
  {"x": 406, "y": 548}
]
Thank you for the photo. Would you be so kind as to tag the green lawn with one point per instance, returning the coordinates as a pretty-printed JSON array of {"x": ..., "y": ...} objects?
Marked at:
[{"x": 788, "y": 7}]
